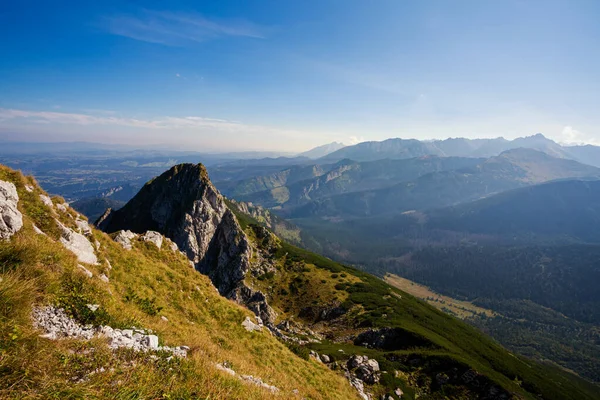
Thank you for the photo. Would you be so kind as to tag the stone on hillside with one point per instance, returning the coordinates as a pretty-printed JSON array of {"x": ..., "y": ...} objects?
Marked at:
[
  {"x": 373, "y": 364},
  {"x": 104, "y": 278},
  {"x": 93, "y": 307},
  {"x": 57, "y": 324},
  {"x": 11, "y": 220},
  {"x": 84, "y": 227},
  {"x": 398, "y": 392},
  {"x": 153, "y": 237},
  {"x": 325, "y": 358},
  {"x": 62, "y": 207},
  {"x": 78, "y": 244},
  {"x": 29, "y": 188},
  {"x": 173, "y": 245},
  {"x": 46, "y": 200},
  {"x": 251, "y": 326},
  {"x": 38, "y": 230},
  {"x": 164, "y": 318},
  {"x": 86, "y": 271},
  {"x": 124, "y": 238},
  {"x": 152, "y": 341}
]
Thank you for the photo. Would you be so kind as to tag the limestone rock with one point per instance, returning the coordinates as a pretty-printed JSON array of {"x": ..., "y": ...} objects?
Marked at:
[
  {"x": 84, "y": 227},
  {"x": 124, "y": 238},
  {"x": 57, "y": 324},
  {"x": 46, "y": 200},
  {"x": 251, "y": 326},
  {"x": 11, "y": 219},
  {"x": 104, "y": 278},
  {"x": 153, "y": 237},
  {"x": 184, "y": 206},
  {"x": 29, "y": 188},
  {"x": 78, "y": 244}
]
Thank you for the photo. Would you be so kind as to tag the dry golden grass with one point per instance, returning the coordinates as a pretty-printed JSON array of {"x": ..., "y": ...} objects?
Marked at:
[{"x": 36, "y": 269}]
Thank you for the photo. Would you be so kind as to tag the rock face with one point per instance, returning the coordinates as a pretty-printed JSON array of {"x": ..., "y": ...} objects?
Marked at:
[
  {"x": 184, "y": 206},
  {"x": 11, "y": 220}
]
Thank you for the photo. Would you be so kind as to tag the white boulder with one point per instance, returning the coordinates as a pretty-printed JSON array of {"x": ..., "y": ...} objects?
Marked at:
[
  {"x": 153, "y": 237},
  {"x": 78, "y": 244}
]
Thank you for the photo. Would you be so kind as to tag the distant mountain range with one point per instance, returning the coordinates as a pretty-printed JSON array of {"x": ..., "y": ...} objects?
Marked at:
[
  {"x": 322, "y": 151},
  {"x": 460, "y": 147},
  {"x": 428, "y": 185}
]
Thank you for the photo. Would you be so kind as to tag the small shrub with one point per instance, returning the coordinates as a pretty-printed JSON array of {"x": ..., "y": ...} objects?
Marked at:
[{"x": 146, "y": 305}]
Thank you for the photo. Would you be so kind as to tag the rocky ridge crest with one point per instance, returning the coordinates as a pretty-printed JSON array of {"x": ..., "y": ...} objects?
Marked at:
[{"x": 184, "y": 206}]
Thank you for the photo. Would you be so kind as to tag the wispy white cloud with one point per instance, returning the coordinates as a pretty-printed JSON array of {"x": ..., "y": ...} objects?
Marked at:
[
  {"x": 178, "y": 29},
  {"x": 570, "y": 135},
  {"x": 356, "y": 139},
  {"x": 194, "y": 130},
  {"x": 152, "y": 123}
]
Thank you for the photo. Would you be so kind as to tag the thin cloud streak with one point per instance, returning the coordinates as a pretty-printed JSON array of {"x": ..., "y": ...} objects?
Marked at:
[
  {"x": 160, "y": 123},
  {"x": 178, "y": 29}
]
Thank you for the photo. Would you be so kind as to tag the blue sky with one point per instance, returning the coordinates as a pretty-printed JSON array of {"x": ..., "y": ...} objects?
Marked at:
[{"x": 290, "y": 75}]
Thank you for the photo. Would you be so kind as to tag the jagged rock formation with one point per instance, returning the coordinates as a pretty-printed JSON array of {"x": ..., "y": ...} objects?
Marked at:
[
  {"x": 184, "y": 206},
  {"x": 11, "y": 220}
]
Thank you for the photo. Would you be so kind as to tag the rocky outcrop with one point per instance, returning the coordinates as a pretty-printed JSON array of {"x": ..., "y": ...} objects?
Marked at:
[
  {"x": 364, "y": 368},
  {"x": 124, "y": 238},
  {"x": 251, "y": 326},
  {"x": 78, "y": 244},
  {"x": 56, "y": 324},
  {"x": 184, "y": 206},
  {"x": 153, "y": 237},
  {"x": 11, "y": 220}
]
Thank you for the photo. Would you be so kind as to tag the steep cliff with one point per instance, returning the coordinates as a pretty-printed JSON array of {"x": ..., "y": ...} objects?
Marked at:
[{"x": 183, "y": 205}]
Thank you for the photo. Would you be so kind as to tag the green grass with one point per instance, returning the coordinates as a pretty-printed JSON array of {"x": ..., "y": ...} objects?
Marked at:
[{"x": 306, "y": 279}]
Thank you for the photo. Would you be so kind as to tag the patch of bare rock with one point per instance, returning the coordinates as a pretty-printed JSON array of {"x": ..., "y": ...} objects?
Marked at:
[
  {"x": 11, "y": 219},
  {"x": 56, "y": 324},
  {"x": 78, "y": 244}
]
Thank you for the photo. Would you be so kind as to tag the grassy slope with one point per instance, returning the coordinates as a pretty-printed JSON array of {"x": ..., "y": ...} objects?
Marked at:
[
  {"x": 375, "y": 303},
  {"x": 36, "y": 269}
]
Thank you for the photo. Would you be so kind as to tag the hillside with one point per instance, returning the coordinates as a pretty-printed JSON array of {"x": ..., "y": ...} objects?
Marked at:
[
  {"x": 314, "y": 303},
  {"x": 510, "y": 170},
  {"x": 348, "y": 176},
  {"x": 150, "y": 288},
  {"x": 557, "y": 210}
]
